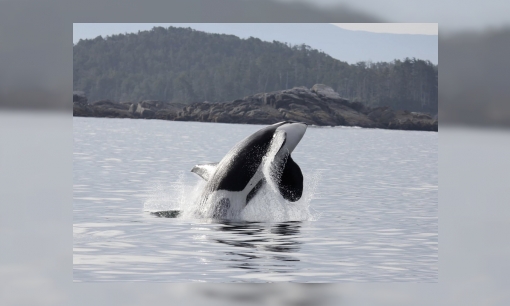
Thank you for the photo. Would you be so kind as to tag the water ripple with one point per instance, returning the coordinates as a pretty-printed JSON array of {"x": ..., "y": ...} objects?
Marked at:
[{"x": 375, "y": 207}]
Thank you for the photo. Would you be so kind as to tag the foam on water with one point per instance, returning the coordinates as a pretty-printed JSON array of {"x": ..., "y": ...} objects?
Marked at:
[
  {"x": 267, "y": 206},
  {"x": 173, "y": 196}
]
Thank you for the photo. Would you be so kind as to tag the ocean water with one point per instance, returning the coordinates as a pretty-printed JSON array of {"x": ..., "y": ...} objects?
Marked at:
[{"x": 369, "y": 211}]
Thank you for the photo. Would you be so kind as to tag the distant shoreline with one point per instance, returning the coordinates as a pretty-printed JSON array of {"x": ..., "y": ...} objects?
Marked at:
[
  {"x": 313, "y": 126},
  {"x": 320, "y": 106}
]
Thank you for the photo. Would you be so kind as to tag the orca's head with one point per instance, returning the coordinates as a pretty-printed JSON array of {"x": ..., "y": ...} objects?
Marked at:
[{"x": 294, "y": 131}]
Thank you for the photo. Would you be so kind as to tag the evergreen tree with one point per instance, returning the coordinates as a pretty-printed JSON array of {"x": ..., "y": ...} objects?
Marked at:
[{"x": 185, "y": 65}]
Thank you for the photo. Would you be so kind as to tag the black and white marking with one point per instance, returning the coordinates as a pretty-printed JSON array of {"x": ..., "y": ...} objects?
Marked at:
[{"x": 237, "y": 178}]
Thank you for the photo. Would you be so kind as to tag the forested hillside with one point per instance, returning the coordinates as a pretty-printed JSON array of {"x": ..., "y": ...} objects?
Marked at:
[{"x": 184, "y": 65}]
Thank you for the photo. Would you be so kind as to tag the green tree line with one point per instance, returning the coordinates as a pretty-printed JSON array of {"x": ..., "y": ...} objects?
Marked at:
[{"x": 185, "y": 65}]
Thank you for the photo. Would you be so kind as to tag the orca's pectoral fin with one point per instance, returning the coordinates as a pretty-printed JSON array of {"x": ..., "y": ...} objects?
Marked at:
[
  {"x": 205, "y": 171},
  {"x": 291, "y": 181}
]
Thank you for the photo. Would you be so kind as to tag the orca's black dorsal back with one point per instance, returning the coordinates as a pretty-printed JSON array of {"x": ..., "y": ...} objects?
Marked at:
[{"x": 243, "y": 160}]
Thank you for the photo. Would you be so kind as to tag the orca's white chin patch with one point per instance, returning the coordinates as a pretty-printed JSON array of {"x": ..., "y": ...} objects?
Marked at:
[{"x": 294, "y": 132}]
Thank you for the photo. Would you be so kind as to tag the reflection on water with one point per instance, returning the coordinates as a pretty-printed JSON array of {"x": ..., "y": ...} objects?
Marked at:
[{"x": 254, "y": 240}]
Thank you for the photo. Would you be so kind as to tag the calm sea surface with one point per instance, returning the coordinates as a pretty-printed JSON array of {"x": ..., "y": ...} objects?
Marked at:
[{"x": 369, "y": 212}]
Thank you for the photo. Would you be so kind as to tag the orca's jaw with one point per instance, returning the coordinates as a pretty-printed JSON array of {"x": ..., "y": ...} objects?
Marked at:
[{"x": 293, "y": 134}]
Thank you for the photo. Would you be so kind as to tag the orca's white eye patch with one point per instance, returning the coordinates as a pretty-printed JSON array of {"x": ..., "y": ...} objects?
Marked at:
[{"x": 277, "y": 143}]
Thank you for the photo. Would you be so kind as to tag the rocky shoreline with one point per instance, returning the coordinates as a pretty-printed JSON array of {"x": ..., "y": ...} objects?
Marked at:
[{"x": 319, "y": 105}]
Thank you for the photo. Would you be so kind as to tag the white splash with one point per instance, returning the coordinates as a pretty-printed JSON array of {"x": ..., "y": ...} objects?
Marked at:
[
  {"x": 267, "y": 206},
  {"x": 174, "y": 195}
]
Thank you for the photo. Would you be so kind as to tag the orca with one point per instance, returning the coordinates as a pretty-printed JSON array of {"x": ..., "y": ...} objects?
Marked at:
[{"x": 234, "y": 181}]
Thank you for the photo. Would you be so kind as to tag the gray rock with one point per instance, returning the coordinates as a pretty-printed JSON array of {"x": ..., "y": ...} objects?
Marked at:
[
  {"x": 147, "y": 113},
  {"x": 324, "y": 91},
  {"x": 79, "y": 97},
  {"x": 300, "y": 107},
  {"x": 139, "y": 109},
  {"x": 421, "y": 115},
  {"x": 320, "y": 105}
]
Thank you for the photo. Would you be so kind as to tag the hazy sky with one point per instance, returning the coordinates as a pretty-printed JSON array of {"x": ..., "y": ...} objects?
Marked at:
[
  {"x": 396, "y": 28},
  {"x": 92, "y": 30}
]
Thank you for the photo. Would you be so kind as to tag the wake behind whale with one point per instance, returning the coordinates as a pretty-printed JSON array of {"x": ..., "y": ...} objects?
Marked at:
[{"x": 257, "y": 180}]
